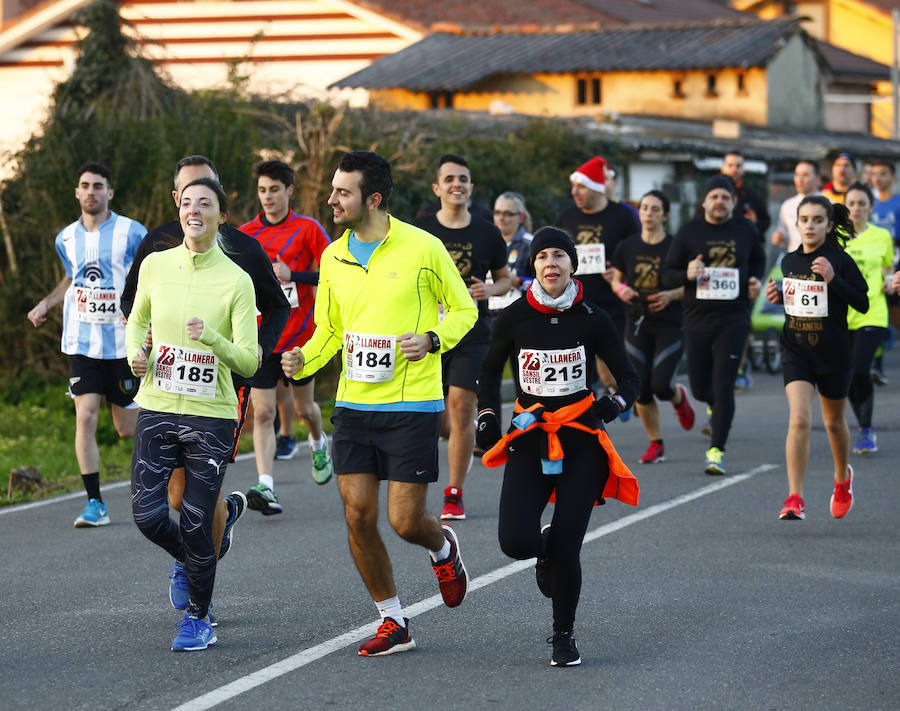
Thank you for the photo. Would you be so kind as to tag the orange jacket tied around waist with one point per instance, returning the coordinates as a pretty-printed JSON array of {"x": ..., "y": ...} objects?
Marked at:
[{"x": 621, "y": 484}]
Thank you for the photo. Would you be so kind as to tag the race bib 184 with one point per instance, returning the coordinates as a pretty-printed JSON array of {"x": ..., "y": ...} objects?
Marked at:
[
  {"x": 185, "y": 371},
  {"x": 369, "y": 358},
  {"x": 96, "y": 305},
  {"x": 804, "y": 298},
  {"x": 553, "y": 373},
  {"x": 718, "y": 284}
]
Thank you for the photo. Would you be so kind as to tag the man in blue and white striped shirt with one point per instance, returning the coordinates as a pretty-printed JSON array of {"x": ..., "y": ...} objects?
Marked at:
[{"x": 96, "y": 251}]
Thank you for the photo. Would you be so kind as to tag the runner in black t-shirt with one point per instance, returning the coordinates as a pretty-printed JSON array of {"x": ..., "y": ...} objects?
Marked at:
[
  {"x": 653, "y": 338},
  {"x": 820, "y": 282},
  {"x": 596, "y": 226},
  {"x": 719, "y": 260},
  {"x": 477, "y": 248}
]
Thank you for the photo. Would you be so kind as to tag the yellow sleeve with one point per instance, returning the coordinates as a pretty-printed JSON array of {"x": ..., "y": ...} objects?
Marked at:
[
  {"x": 458, "y": 303},
  {"x": 328, "y": 338},
  {"x": 239, "y": 353}
]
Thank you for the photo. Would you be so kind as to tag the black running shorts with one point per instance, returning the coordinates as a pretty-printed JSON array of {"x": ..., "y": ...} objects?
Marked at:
[
  {"x": 112, "y": 378},
  {"x": 834, "y": 385},
  {"x": 461, "y": 365},
  {"x": 270, "y": 374},
  {"x": 397, "y": 446}
]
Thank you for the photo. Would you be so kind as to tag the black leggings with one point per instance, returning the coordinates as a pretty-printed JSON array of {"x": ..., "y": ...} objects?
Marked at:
[
  {"x": 655, "y": 352},
  {"x": 714, "y": 356},
  {"x": 524, "y": 496},
  {"x": 202, "y": 445},
  {"x": 863, "y": 344}
]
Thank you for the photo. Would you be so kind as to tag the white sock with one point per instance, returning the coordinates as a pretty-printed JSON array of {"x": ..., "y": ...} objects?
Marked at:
[
  {"x": 443, "y": 553},
  {"x": 267, "y": 480},
  {"x": 391, "y": 608},
  {"x": 320, "y": 444}
]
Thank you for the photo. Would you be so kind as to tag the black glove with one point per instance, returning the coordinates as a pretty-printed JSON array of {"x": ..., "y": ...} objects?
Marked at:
[
  {"x": 487, "y": 431},
  {"x": 606, "y": 408}
]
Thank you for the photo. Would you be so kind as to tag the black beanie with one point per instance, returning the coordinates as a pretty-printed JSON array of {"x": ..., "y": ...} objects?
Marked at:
[
  {"x": 716, "y": 182},
  {"x": 553, "y": 237}
]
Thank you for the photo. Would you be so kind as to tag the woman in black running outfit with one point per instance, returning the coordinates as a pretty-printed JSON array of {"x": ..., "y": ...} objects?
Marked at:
[
  {"x": 820, "y": 281},
  {"x": 653, "y": 337},
  {"x": 557, "y": 440}
]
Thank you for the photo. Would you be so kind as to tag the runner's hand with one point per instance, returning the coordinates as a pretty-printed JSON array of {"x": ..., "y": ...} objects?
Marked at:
[
  {"x": 659, "y": 300},
  {"x": 478, "y": 290},
  {"x": 772, "y": 293},
  {"x": 695, "y": 267},
  {"x": 823, "y": 268},
  {"x": 139, "y": 365},
  {"x": 606, "y": 408},
  {"x": 487, "y": 431},
  {"x": 754, "y": 286},
  {"x": 609, "y": 273},
  {"x": 282, "y": 270},
  {"x": 194, "y": 327},
  {"x": 895, "y": 282},
  {"x": 414, "y": 346},
  {"x": 292, "y": 361},
  {"x": 38, "y": 314}
]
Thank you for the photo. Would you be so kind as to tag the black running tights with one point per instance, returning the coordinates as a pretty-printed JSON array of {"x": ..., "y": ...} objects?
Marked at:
[
  {"x": 202, "y": 445},
  {"x": 863, "y": 344},
  {"x": 524, "y": 496},
  {"x": 714, "y": 356}
]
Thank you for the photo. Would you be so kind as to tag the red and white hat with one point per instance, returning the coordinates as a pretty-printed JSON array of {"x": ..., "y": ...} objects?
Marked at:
[{"x": 591, "y": 174}]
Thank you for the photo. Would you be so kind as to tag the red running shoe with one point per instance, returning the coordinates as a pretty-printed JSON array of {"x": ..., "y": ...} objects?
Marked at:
[
  {"x": 655, "y": 453},
  {"x": 390, "y": 639},
  {"x": 684, "y": 411},
  {"x": 842, "y": 498},
  {"x": 453, "y": 505},
  {"x": 451, "y": 573},
  {"x": 794, "y": 509}
]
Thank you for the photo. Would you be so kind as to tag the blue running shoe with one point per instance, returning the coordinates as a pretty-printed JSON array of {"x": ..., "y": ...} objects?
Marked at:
[
  {"x": 194, "y": 634},
  {"x": 95, "y": 514},
  {"x": 237, "y": 504},
  {"x": 210, "y": 616},
  {"x": 285, "y": 447},
  {"x": 179, "y": 595},
  {"x": 625, "y": 415},
  {"x": 866, "y": 441},
  {"x": 742, "y": 381}
]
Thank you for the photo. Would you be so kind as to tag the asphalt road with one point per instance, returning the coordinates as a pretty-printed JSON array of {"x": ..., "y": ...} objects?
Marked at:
[{"x": 698, "y": 598}]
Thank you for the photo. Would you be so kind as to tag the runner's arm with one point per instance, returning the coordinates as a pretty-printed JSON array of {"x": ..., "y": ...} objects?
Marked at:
[
  {"x": 501, "y": 347},
  {"x": 609, "y": 346},
  {"x": 239, "y": 352},
  {"x": 328, "y": 338},
  {"x": 461, "y": 310}
]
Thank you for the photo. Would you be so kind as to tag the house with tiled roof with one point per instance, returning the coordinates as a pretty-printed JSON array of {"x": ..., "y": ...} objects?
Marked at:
[
  {"x": 855, "y": 32},
  {"x": 765, "y": 73}
]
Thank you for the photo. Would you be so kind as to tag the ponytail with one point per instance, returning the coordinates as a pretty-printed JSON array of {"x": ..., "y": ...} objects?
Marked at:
[{"x": 838, "y": 215}]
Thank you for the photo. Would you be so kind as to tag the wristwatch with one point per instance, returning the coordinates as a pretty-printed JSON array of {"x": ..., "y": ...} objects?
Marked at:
[{"x": 435, "y": 342}]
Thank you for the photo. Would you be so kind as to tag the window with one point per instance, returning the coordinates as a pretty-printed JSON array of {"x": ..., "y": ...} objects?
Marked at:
[
  {"x": 442, "y": 99},
  {"x": 711, "y": 85},
  {"x": 678, "y": 89},
  {"x": 588, "y": 90},
  {"x": 741, "y": 84}
]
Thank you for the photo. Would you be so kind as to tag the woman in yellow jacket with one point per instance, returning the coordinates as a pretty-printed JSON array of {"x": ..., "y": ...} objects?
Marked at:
[{"x": 202, "y": 309}]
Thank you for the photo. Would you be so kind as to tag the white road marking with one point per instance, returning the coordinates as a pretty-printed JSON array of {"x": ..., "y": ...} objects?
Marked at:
[{"x": 313, "y": 654}]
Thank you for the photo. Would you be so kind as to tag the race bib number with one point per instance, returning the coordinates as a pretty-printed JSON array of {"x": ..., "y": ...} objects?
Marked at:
[
  {"x": 96, "y": 305},
  {"x": 185, "y": 371},
  {"x": 805, "y": 299},
  {"x": 369, "y": 358},
  {"x": 497, "y": 303},
  {"x": 718, "y": 284},
  {"x": 591, "y": 258},
  {"x": 290, "y": 292},
  {"x": 553, "y": 373}
]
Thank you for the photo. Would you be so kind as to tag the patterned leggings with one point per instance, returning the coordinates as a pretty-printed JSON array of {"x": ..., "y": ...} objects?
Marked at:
[{"x": 202, "y": 445}]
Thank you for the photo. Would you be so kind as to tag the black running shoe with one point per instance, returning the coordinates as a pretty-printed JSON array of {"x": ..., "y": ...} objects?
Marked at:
[
  {"x": 565, "y": 653},
  {"x": 542, "y": 567}
]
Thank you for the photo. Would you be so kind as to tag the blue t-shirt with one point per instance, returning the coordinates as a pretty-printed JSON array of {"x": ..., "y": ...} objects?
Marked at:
[
  {"x": 362, "y": 251},
  {"x": 887, "y": 215}
]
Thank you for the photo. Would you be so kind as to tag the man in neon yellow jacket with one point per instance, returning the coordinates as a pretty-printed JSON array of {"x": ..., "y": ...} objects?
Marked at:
[{"x": 380, "y": 286}]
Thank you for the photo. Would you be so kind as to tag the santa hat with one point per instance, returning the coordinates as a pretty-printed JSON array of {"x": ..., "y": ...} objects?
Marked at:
[{"x": 591, "y": 174}]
